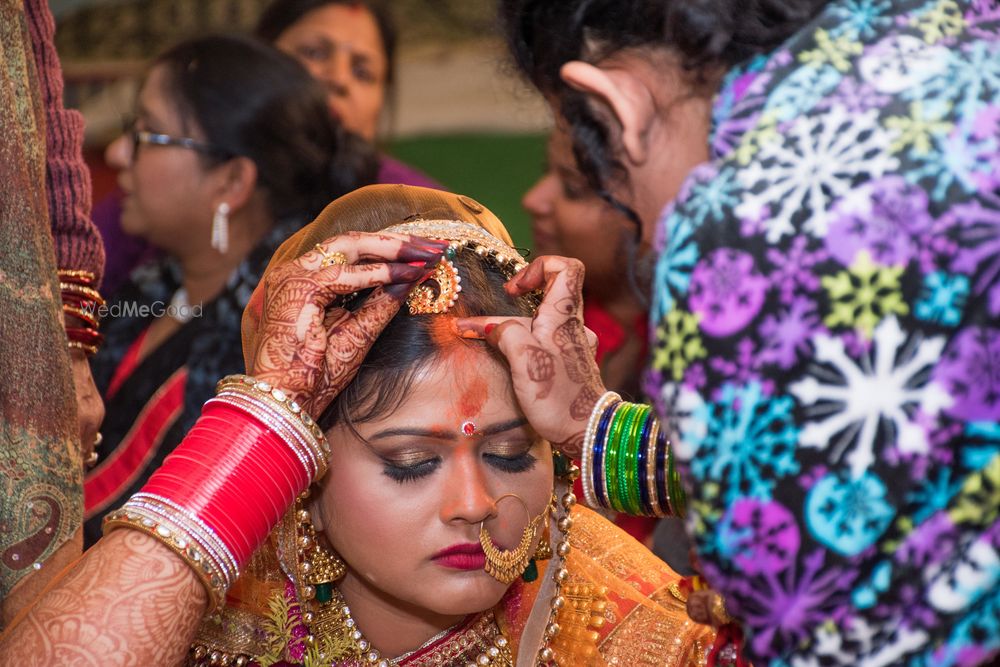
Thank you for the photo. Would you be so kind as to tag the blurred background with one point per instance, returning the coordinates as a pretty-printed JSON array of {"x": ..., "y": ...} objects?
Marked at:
[{"x": 458, "y": 113}]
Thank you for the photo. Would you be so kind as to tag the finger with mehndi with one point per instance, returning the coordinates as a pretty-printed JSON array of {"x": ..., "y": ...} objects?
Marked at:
[
  {"x": 337, "y": 280},
  {"x": 358, "y": 247},
  {"x": 349, "y": 341},
  {"x": 561, "y": 280},
  {"x": 476, "y": 327}
]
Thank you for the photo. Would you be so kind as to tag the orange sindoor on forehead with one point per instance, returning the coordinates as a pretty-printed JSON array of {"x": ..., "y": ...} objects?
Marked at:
[{"x": 473, "y": 397}]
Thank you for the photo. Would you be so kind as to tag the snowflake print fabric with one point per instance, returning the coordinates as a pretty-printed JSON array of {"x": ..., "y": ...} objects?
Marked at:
[{"x": 826, "y": 339}]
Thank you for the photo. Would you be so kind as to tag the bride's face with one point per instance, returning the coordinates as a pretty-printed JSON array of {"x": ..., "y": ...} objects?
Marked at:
[{"x": 403, "y": 503}]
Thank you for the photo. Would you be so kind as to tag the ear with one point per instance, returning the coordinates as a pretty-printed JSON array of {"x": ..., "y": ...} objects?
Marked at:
[
  {"x": 624, "y": 93},
  {"x": 236, "y": 182}
]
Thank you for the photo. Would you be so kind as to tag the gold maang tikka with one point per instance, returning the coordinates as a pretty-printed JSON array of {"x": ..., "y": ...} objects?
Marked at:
[
  {"x": 425, "y": 300},
  {"x": 462, "y": 237},
  {"x": 506, "y": 565}
]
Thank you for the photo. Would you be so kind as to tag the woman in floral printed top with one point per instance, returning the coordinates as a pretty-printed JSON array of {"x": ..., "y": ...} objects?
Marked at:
[{"x": 822, "y": 181}]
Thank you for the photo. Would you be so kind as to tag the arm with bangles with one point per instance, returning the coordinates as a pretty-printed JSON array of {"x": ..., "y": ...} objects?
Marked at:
[{"x": 169, "y": 555}]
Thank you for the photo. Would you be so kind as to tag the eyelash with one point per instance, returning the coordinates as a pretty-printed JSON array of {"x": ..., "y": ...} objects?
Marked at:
[{"x": 512, "y": 465}]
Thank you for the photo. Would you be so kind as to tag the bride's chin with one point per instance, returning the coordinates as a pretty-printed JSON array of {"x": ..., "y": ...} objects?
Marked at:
[{"x": 476, "y": 593}]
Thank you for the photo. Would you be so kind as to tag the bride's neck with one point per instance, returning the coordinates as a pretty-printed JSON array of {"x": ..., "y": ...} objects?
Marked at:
[{"x": 393, "y": 627}]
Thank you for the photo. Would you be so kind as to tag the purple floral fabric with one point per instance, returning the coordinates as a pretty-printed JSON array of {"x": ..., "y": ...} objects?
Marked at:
[{"x": 826, "y": 339}]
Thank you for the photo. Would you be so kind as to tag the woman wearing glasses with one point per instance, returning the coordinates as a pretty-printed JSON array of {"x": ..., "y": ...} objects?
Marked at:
[{"x": 231, "y": 151}]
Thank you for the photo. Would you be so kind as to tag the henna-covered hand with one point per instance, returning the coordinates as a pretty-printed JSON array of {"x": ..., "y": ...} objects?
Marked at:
[
  {"x": 312, "y": 350},
  {"x": 551, "y": 356}
]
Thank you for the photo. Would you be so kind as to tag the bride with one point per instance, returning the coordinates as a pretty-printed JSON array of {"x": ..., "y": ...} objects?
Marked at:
[
  {"x": 439, "y": 528},
  {"x": 444, "y": 532}
]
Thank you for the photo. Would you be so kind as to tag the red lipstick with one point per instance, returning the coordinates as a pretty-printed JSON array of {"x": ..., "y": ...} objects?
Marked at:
[{"x": 468, "y": 556}]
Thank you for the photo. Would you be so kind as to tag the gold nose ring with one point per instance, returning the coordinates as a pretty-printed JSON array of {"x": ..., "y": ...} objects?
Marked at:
[{"x": 506, "y": 565}]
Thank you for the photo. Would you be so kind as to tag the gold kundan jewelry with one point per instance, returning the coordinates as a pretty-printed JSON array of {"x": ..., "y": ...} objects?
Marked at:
[
  {"x": 426, "y": 300},
  {"x": 559, "y": 607},
  {"x": 319, "y": 567},
  {"x": 462, "y": 237},
  {"x": 506, "y": 565},
  {"x": 317, "y": 570},
  {"x": 493, "y": 646},
  {"x": 544, "y": 549}
]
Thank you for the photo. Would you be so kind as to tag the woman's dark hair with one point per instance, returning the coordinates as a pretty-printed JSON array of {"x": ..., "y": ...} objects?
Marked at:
[
  {"x": 282, "y": 14},
  {"x": 251, "y": 100},
  {"x": 543, "y": 35},
  {"x": 410, "y": 342}
]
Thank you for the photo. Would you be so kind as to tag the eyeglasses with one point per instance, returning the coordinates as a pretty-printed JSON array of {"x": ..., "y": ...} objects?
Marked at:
[{"x": 152, "y": 138}]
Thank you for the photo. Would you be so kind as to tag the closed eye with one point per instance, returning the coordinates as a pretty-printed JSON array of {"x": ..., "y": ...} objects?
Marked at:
[
  {"x": 411, "y": 471},
  {"x": 511, "y": 464}
]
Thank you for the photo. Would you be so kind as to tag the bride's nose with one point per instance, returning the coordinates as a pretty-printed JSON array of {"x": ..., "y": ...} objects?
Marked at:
[{"x": 467, "y": 496}]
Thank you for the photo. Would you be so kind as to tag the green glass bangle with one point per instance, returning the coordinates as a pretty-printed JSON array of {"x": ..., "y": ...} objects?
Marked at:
[
  {"x": 677, "y": 491},
  {"x": 611, "y": 447},
  {"x": 673, "y": 483},
  {"x": 620, "y": 462},
  {"x": 624, "y": 446},
  {"x": 632, "y": 444}
]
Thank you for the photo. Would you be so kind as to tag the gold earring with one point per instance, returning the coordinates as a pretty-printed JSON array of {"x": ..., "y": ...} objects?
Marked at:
[
  {"x": 506, "y": 565},
  {"x": 319, "y": 567}
]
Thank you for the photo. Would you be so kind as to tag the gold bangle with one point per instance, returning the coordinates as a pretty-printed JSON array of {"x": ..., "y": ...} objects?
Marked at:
[
  {"x": 77, "y": 273},
  {"x": 83, "y": 290},
  {"x": 85, "y": 315},
  {"x": 718, "y": 611},
  {"x": 89, "y": 350},
  {"x": 172, "y": 530}
]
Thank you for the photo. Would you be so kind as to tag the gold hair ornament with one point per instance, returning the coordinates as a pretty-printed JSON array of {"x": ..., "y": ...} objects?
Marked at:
[
  {"x": 425, "y": 300},
  {"x": 462, "y": 236}
]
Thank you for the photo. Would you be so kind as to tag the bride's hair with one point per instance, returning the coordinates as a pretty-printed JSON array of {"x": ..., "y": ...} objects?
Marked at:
[{"x": 410, "y": 342}]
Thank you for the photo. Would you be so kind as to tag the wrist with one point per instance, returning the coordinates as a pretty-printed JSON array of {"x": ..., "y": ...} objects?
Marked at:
[
  {"x": 627, "y": 461},
  {"x": 81, "y": 304},
  {"x": 219, "y": 494}
]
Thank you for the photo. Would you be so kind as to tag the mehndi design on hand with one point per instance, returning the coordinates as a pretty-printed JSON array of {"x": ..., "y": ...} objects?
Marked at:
[{"x": 309, "y": 347}]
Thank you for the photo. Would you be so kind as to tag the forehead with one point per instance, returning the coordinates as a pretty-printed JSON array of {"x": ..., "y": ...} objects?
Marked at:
[
  {"x": 560, "y": 144},
  {"x": 465, "y": 382},
  {"x": 349, "y": 24},
  {"x": 155, "y": 99}
]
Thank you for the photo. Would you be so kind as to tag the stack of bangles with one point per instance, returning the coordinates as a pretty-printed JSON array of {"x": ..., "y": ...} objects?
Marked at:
[
  {"x": 214, "y": 500},
  {"x": 627, "y": 462},
  {"x": 81, "y": 299}
]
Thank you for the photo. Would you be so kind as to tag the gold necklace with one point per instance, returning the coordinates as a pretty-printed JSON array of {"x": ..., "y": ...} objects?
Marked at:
[
  {"x": 546, "y": 656},
  {"x": 497, "y": 654}
]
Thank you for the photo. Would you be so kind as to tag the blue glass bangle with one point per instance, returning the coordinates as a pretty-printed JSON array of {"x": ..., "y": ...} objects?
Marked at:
[
  {"x": 598, "y": 462},
  {"x": 643, "y": 464}
]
